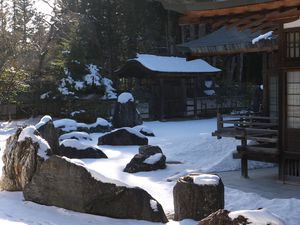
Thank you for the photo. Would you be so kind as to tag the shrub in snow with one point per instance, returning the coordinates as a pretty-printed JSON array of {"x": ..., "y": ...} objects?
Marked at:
[
  {"x": 123, "y": 136},
  {"x": 149, "y": 158},
  {"x": 75, "y": 187},
  {"x": 23, "y": 155},
  {"x": 198, "y": 195},
  {"x": 80, "y": 80},
  {"x": 73, "y": 148}
]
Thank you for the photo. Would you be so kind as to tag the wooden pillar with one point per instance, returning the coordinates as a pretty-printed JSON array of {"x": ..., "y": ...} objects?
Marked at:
[
  {"x": 162, "y": 99},
  {"x": 244, "y": 161},
  {"x": 265, "y": 83},
  {"x": 196, "y": 85},
  {"x": 184, "y": 98}
]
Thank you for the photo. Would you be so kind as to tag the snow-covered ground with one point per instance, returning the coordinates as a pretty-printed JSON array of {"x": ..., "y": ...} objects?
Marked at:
[{"x": 188, "y": 146}]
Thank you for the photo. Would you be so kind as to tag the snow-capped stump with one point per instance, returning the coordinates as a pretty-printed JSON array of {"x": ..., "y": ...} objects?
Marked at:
[
  {"x": 75, "y": 135},
  {"x": 49, "y": 133},
  {"x": 244, "y": 217},
  {"x": 123, "y": 136},
  {"x": 73, "y": 148},
  {"x": 145, "y": 131},
  {"x": 23, "y": 155},
  {"x": 126, "y": 114},
  {"x": 198, "y": 195},
  {"x": 149, "y": 158},
  {"x": 90, "y": 192}
]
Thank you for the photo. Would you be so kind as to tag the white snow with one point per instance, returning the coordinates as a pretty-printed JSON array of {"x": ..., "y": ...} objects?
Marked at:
[
  {"x": 77, "y": 162},
  {"x": 125, "y": 97},
  {"x": 76, "y": 112},
  {"x": 73, "y": 143},
  {"x": 132, "y": 131},
  {"x": 174, "y": 64},
  {"x": 209, "y": 92},
  {"x": 29, "y": 132},
  {"x": 257, "y": 217},
  {"x": 153, "y": 205},
  {"x": 75, "y": 135},
  {"x": 45, "y": 95},
  {"x": 71, "y": 125},
  {"x": 43, "y": 121},
  {"x": 206, "y": 179},
  {"x": 145, "y": 129},
  {"x": 189, "y": 142},
  {"x": 153, "y": 159},
  {"x": 266, "y": 36}
]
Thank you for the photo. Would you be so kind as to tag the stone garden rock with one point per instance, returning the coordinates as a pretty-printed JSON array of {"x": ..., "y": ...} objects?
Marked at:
[
  {"x": 123, "y": 136},
  {"x": 126, "y": 114},
  {"x": 198, "y": 195},
  {"x": 72, "y": 148},
  {"x": 145, "y": 131},
  {"x": 23, "y": 155},
  {"x": 244, "y": 217},
  {"x": 149, "y": 158},
  {"x": 69, "y": 184},
  {"x": 49, "y": 133}
]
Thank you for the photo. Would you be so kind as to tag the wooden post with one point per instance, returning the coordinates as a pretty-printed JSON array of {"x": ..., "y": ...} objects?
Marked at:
[
  {"x": 265, "y": 84},
  {"x": 162, "y": 99},
  {"x": 195, "y": 96},
  {"x": 220, "y": 124},
  {"x": 184, "y": 98},
  {"x": 244, "y": 161}
]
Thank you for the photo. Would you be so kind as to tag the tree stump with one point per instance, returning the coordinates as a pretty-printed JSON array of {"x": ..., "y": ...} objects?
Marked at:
[{"x": 198, "y": 195}]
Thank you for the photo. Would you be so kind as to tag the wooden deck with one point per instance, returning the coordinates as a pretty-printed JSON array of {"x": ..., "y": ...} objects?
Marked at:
[{"x": 258, "y": 135}]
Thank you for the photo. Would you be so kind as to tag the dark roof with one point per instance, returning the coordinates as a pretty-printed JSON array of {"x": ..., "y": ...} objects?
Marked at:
[
  {"x": 200, "y": 5},
  {"x": 228, "y": 40}
]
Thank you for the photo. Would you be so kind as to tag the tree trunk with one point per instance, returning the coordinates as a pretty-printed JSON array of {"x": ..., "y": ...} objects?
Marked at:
[{"x": 194, "y": 201}]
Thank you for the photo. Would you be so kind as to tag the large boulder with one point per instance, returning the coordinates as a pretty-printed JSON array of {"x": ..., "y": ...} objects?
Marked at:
[
  {"x": 69, "y": 184},
  {"x": 123, "y": 136},
  {"x": 49, "y": 133},
  {"x": 73, "y": 148},
  {"x": 23, "y": 155},
  {"x": 244, "y": 217},
  {"x": 125, "y": 113},
  {"x": 149, "y": 158}
]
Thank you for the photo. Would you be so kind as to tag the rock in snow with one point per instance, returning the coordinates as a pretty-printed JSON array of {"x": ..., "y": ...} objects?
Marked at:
[
  {"x": 49, "y": 133},
  {"x": 125, "y": 113},
  {"x": 123, "y": 136},
  {"x": 243, "y": 217},
  {"x": 73, "y": 148},
  {"x": 23, "y": 155},
  {"x": 149, "y": 158},
  {"x": 73, "y": 187}
]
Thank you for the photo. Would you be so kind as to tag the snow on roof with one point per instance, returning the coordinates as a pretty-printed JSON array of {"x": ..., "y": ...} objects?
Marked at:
[
  {"x": 258, "y": 217},
  {"x": 266, "y": 36},
  {"x": 174, "y": 64}
]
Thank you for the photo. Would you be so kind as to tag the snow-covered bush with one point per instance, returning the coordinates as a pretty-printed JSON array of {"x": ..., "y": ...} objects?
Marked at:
[{"x": 80, "y": 80}]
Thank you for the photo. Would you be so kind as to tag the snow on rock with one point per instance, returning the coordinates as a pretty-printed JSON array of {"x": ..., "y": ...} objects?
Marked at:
[
  {"x": 257, "y": 217},
  {"x": 209, "y": 92},
  {"x": 77, "y": 162},
  {"x": 75, "y": 135},
  {"x": 153, "y": 205},
  {"x": 45, "y": 95},
  {"x": 174, "y": 64},
  {"x": 125, "y": 97},
  {"x": 266, "y": 36},
  {"x": 153, "y": 158},
  {"x": 66, "y": 124},
  {"x": 43, "y": 121},
  {"x": 30, "y": 132},
  {"x": 132, "y": 131},
  {"x": 206, "y": 179},
  {"x": 73, "y": 143},
  {"x": 77, "y": 112}
]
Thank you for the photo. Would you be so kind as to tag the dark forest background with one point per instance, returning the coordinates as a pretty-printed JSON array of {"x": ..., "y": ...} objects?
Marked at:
[{"x": 36, "y": 48}]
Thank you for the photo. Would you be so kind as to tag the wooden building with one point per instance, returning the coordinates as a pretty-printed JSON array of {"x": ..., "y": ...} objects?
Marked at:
[
  {"x": 168, "y": 87},
  {"x": 277, "y": 141}
]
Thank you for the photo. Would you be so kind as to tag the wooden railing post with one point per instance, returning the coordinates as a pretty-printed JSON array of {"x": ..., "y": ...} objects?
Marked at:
[{"x": 220, "y": 124}]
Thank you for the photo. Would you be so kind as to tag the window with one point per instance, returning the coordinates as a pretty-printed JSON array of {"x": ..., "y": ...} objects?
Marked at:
[
  {"x": 293, "y": 100},
  {"x": 293, "y": 44}
]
